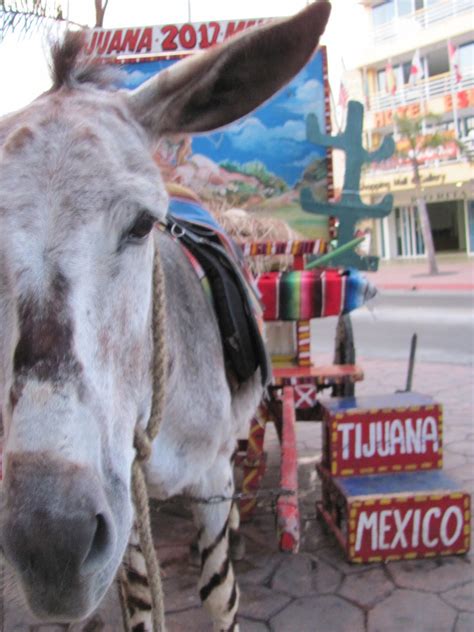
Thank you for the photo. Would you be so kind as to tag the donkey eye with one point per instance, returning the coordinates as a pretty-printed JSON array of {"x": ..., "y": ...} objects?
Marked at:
[{"x": 141, "y": 228}]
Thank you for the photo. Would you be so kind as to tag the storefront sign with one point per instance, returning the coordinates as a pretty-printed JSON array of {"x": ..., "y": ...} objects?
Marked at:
[
  {"x": 393, "y": 182},
  {"x": 386, "y": 117},
  {"x": 458, "y": 100},
  {"x": 462, "y": 99},
  {"x": 169, "y": 39}
]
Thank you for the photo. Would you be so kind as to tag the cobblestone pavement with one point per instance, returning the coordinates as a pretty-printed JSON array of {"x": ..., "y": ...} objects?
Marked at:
[{"x": 316, "y": 590}]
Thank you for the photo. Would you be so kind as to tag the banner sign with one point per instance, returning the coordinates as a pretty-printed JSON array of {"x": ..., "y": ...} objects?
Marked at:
[
  {"x": 168, "y": 39},
  {"x": 259, "y": 163}
]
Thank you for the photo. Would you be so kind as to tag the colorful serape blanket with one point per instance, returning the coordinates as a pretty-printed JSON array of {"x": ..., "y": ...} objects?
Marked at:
[
  {"x": 295, "y": 248},
  {"x": 306, "y": 294}
]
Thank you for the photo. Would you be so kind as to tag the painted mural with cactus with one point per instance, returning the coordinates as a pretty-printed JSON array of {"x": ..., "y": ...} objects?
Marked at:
[{"x": 261, "y": 163}]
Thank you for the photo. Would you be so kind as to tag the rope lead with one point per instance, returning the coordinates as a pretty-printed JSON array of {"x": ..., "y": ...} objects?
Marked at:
[{"x": 142, "y": 442}]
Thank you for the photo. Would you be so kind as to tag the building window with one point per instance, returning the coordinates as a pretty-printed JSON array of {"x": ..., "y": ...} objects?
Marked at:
[
  {"x": 405, "y": 7},
  {"x": 466, "y": 128},
  {"x": 401, "y": 72},
  {"x": 438, "y": 62},
  {"x": 381, "y": 80},
  {"x": 391, "y": 9},
  {"x": 466, "y": 57},
  {"x": 405, "y": 70},
  {"x": 383, "y": 13}
]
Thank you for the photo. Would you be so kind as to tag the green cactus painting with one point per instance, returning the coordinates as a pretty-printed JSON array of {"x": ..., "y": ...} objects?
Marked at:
[{"x": 349, "y": 209}]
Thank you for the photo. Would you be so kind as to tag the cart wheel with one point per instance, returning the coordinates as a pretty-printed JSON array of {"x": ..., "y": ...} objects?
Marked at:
[{"x": 344, "y": 353}]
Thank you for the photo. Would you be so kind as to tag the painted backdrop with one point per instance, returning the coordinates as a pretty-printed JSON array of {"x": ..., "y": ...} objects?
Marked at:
[{"x": 259, "y": 163}]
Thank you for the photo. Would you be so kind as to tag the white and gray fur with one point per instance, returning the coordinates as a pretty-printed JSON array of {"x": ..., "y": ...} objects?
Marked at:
[{"x": 77, "y": 187}]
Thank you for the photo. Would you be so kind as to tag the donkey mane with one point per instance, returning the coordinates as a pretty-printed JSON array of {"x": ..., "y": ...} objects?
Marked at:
[{"x": 70, "y": 68}]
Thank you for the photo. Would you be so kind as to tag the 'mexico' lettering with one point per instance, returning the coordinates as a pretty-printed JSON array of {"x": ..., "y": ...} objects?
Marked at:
[{"x": 394, "y": 528}]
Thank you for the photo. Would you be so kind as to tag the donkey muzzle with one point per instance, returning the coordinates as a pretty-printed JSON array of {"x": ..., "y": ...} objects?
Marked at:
[{"x": 58, "y": 532}]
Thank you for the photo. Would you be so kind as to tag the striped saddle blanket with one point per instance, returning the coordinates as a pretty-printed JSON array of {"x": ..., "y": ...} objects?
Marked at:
[{"x": 306, "y": 294}]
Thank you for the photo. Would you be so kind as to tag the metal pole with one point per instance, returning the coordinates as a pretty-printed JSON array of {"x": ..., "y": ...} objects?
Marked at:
[
  {"x": 334, "y": 253},
  {"x": 411, "y": 363},
  {"x": 189, "y": 10}
]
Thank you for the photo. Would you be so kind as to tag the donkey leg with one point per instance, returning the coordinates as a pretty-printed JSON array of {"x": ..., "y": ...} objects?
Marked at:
[{"x": 217, "y": 585}]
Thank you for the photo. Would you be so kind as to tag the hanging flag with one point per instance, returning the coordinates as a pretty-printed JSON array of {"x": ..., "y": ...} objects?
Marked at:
[
  {"x": 343, "y": 96},
  {"x": 390, "y": 79},
  {"x": 453, "y": 52},
  {"x": 416, "y": 69}
]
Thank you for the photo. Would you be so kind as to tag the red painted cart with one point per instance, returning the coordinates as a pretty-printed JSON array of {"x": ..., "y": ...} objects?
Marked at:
[{"x": 296, "y": 297}]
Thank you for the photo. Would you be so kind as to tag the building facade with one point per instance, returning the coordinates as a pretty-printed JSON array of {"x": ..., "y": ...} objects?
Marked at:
[{"x": 417, "y": 59}]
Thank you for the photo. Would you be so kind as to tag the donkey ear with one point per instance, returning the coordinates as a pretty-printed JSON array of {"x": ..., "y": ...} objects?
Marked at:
[{"x": 211, "y": 89}]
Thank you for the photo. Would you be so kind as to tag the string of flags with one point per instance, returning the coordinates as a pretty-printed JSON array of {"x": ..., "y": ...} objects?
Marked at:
[{"x": 416, "y": 73}]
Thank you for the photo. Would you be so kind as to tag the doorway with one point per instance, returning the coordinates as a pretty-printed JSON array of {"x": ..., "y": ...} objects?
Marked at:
[{"x": 445, "y": 220}]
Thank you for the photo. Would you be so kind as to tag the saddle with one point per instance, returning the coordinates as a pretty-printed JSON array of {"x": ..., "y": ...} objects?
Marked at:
[{"x": 234, "y": 296}]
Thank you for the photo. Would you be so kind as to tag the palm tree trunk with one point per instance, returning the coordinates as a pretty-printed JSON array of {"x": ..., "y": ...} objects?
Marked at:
[{"x": 424, "y": 220}]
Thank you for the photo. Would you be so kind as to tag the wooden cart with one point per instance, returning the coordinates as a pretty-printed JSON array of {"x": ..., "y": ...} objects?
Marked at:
[{"x": 296, "y": 296}]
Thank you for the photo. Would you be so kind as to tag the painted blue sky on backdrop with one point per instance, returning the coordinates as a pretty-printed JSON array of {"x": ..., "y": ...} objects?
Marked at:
[{"x": 275, "y": 133}]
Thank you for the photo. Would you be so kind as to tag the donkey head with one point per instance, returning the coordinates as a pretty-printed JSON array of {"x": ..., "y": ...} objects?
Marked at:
[{"x": 79, "y": 195}]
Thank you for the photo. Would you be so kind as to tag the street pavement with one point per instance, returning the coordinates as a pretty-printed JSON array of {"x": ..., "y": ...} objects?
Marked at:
[{"x": 316, "y": 590}]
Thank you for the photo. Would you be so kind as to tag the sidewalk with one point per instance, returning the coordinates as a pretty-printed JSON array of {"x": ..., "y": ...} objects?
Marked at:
[
  {"x": 456, "y": 275},
  {"x": 316, "y": 590}
]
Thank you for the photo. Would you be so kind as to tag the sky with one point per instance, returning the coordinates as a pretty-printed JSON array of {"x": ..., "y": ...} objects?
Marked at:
[{"x": 23, "y": 66}]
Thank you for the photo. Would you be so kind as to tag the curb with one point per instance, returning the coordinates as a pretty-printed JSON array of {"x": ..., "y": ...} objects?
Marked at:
[{"x": 455, "y": 287}]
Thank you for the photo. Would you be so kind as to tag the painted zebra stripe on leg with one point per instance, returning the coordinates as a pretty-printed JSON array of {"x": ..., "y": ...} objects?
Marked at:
[
  {"x": 216, "y": 580},
  {"x": 218, "y": 588},
  {"x": 136, "y": 590},
  {"x": 208, "y": 551},
  {"x": 234, "y": 626},
  {"x": 233, "y": 597}
]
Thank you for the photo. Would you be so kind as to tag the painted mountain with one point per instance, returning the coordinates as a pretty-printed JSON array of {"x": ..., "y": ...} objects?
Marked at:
[{"x": 258, "y": 163}]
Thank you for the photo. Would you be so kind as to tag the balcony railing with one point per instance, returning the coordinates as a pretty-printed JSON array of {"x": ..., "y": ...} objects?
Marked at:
[
  {"x": 424, "y": 90},
  {"x": 420, "y": 19}
]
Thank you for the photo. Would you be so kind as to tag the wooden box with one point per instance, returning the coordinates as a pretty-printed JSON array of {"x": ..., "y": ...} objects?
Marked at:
[
  {"x": 387, "y": 517},
  {"x": 377, "y": 434}
]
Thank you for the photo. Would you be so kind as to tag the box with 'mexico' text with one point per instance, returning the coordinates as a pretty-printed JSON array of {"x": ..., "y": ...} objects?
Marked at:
[{"x": 386, "y": 517}]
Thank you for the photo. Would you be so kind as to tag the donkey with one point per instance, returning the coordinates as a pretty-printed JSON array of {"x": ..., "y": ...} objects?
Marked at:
[{"x": 79, "y": 198}]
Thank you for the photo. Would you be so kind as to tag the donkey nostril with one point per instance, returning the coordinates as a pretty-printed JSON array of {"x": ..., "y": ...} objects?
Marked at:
[
  {"x": 100, "y": 545},
  {"x": 101, "y": 533}
]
